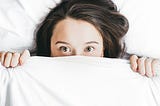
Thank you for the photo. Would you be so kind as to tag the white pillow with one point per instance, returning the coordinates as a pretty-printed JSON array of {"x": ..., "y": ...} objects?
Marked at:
[
  {"x": 18, "y": 20},
  {"x": 143, "y": 37}
]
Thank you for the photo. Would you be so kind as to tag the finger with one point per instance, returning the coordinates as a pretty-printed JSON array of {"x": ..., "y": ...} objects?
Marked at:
[
  {"x": 141, "y": 66},
  {"x": 15, "y": 59},
  {"x": 2, "y": 56},
  {"x": 25, "y": 55},
  {"x": 133, "y": 60},
  {"x": 155, "y": 67},
  {"x": 148, "y": 67},
  {"x": 7, "y": 59}
]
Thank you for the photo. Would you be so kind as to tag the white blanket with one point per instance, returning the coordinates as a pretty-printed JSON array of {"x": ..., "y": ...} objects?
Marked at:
[{"x": 77, "y": 81}]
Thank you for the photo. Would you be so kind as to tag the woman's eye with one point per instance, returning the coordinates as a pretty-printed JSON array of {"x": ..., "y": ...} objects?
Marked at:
[
  {"x": 89, "y": 49},
  {"x": 65, "y": 49}
]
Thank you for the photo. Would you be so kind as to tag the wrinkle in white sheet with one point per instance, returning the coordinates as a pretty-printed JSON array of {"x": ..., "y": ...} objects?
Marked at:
[{"x": 77, "y": 81}]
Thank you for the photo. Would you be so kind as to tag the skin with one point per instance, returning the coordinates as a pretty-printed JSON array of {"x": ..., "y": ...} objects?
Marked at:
[
  {"x": 9, "y": 59},
  {"x": 77, "y": 37}
]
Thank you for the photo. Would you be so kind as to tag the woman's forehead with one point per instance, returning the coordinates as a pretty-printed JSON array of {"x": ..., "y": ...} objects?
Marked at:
[{"x": 78, "y": 29}]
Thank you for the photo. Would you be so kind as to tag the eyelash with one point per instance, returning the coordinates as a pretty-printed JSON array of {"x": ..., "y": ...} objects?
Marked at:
[
  {"x": 86, "y": 49},
  {"x": 61, "y": 48}
]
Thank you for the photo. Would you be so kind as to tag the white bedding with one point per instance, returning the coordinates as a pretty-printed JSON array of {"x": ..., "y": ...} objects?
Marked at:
[
  {"x": 18, "y": 20},
  {"x": 77, "y": 81}
]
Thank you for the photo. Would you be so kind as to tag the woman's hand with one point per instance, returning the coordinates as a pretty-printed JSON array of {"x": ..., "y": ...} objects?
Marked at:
[
  {"x": 9, "y": 59},
  {"x": 145, "y": 66}
]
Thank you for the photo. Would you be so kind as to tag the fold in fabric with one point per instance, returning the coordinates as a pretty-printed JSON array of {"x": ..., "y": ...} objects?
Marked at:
[{"x": 76, "y": 81}]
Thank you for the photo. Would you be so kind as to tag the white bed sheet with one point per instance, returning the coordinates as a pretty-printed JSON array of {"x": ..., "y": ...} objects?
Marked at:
[{"x": 77, "y": 81}]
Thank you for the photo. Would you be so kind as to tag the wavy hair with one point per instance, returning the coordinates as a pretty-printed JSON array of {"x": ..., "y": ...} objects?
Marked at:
[{"x": 103, "y": 14}]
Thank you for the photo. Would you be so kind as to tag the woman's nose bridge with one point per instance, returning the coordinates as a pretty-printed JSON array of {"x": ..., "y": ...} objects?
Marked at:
[{"x": 78, "y": 52}]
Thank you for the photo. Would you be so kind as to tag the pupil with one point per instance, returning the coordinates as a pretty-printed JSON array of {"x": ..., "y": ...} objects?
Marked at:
[
  {"x": 89, "y": 48},
  {"x": 64, "y": 49}
]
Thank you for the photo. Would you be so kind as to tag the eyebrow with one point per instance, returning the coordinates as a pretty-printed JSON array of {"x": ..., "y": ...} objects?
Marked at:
[
  {"x": 90, "y": 42},
  {"x": 62, "y": 42}
]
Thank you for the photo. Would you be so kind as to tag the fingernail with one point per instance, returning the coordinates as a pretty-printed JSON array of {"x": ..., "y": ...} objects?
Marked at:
[{"x": 134, "y": 68}]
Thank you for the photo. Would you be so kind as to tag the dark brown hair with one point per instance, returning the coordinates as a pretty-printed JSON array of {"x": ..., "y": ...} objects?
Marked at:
[{"x": 103, "y": 14}]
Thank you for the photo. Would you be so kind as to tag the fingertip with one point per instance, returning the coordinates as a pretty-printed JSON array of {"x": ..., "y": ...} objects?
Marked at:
[
  {"x": 26, "y": 51},
  {"x": 148, "y": 68},
  {"x": 149, "y": 75},
  {"x": 142, "y": 73},
  {"x": 133, "y": 61},
  {"x": 133, "y": 57},
  {"x": 25, "y": 55},
  {"x": 15, "y": 59},
  {"x": 21, "y": 61},
  {"x": 134, "y": 67},
  {"x": 7, "y": 59},
  {"x": 155, "y": 67},
  {"x": 13, "y": 65},
  {"x": 141, "y": 65},
  {"x": 2, "y": 55}
]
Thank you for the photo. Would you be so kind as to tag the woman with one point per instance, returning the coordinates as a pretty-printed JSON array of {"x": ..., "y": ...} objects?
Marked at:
[{"x": 83, "y": 27}]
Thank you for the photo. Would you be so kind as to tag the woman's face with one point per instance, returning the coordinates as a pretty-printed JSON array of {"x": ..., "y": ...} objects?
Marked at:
[{"x": 76, "y": 37}]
